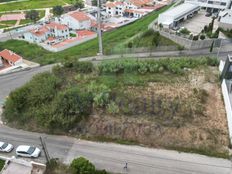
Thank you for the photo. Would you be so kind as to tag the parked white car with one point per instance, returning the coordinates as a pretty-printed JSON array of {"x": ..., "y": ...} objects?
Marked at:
[
  {"x": 6, "y": 147},
  {"x": 28, "y": 151}
]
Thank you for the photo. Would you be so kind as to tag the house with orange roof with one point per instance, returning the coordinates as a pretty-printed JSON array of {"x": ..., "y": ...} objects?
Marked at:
[
  {"x": 134, "y": 13},
  {"x": 9, "y": 58},
  {"x": 76, "y": 20},
  {"x": 115, "y": 8},
  {"x": 53, "y": 29},
  {"x": 136, "y": 4}
]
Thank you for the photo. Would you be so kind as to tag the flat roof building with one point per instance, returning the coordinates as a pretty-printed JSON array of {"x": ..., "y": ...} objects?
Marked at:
[
  {"x": 225, "y": 19},
  {"x": 212, "y": 5},
  {"x": 173, "y": 17}
]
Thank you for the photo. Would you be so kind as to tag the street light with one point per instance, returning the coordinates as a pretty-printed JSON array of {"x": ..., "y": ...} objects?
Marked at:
[{"x": 99, "y": 28}]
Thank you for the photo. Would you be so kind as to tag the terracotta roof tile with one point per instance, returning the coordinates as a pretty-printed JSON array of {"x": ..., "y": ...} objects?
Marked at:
[
  {"x": 79, "y": 16},
  {"x": 10, "y": 56}
]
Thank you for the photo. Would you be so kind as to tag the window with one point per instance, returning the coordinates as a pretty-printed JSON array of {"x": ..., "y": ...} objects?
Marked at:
[
  {"x": 210, "y": 2},
  {"x": 223, "y": 3},
  {"x": 31, "y": 150}
]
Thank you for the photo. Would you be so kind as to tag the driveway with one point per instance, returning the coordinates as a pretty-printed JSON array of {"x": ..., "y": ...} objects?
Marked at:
[{"x": 197, "y": 23}]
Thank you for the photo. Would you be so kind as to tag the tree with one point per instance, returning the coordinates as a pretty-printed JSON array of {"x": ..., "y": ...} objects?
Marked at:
[
  {"x": 156, "y": 39},
  {"x": 58, "y": 10},
  {"x": 33, "y": 15},
  {"x": 78, "y": 3},
  {"x": 82, "y": 166}
]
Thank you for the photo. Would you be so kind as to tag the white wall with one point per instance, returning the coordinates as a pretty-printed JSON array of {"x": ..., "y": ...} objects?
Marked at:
[
  {"x": 228, "y": 107},
  {"x": 74, "y": 24}
]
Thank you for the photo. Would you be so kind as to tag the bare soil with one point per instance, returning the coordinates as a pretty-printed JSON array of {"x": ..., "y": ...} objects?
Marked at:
[{"x": 206, "y": 130}]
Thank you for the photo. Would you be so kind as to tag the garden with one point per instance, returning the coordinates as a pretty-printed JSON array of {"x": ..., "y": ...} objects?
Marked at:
[{"x": 157, "y": 103}]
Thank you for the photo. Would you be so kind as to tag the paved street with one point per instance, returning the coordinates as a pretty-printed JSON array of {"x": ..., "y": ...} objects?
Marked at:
[{"x": 112, "y": 157}]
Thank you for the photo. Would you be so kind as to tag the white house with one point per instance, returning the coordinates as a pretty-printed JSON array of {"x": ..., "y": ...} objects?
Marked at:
[
  {"x": 52, "y": 29},
  {"x": 10, "y": 58},
  {"x": 225, "y": 19},
  {"x": 134, "y": 13},
  {"x": 211, "y": 5},
  {"x": 136, "y": 4},
  {"x": 76, "y": 20},
  {"x": 115, "y": 8}
]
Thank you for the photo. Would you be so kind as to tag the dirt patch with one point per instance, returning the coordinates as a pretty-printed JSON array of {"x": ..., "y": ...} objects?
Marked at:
[{"x": 206, "y": 129}]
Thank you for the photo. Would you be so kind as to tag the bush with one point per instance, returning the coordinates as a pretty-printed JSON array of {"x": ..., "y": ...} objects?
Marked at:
[
  {"x": 150, "y": 66},
  {"x": 185, "y": 31},
  {"x": 196, "y": 37},
  {"x": 202, "y": 37},
  {"x": 112, "y": 108},
  {"x": 81, "y": 67},
  {"x": 82, "y": 166},
  {"x": 70, "y": 107},
  {"x": 26, "y": 102}
]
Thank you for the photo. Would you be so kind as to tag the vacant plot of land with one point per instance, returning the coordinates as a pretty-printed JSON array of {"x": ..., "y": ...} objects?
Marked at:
[{"x": 168, "y": 103}]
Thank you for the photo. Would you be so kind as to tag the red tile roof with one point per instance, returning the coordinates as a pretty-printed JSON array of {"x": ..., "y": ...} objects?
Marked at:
[
  {"x": 40, "y": 31},
  {"x": 51, "y": 39},
  {"x": 113, "y": 4},
  {"x": 140, "y": 3},
  {"x": 10, "y": 56},
  {"x": 57, "y": 26},
  {"x": 79, "y": 16},
  {"x": 83, "y": 33},
  {"x": 110, "y": 4}
]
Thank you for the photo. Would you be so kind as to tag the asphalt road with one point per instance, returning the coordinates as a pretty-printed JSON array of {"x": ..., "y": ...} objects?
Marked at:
[{"x": 111, "y": 157}]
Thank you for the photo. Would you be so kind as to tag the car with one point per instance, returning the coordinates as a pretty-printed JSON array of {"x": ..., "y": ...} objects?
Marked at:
[
  {"x": 28, "y": 151},
  {"x": 6, "y": 147}
]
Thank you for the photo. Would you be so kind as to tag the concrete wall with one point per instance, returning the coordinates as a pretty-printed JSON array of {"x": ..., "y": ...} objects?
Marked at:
[
  {"x": 228, "y": 107},
  {"x": 225, "y": 26},
  {"x": 57, "y": 49},
  {"x": 190, "y": 44}
]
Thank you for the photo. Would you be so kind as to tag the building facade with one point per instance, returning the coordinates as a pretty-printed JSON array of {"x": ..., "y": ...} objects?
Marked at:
[
  {"x": 212, "y": 5},
  {"x": 76, "y": 20},
  {"x": 53, "y": 29}
]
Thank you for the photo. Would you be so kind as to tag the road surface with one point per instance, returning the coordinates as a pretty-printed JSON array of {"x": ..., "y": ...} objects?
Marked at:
[
  {"x": 109, "y": 156},
  {"x": 113, "y": 157}
]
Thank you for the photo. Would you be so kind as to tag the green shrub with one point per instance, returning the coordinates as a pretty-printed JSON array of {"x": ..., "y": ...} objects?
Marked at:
[
  {"x": 196, "y": 37},
  {"x": 112, "y": 108},
  {"x": 22, "y": 102},
  {"x": 185, "y": 31},
  {"x": 70, "y": 107},
  {"x": 82, "y": 166},
  {"x": 151, "y": 66},
  {"x": 202, "y": 37},
  {"x": 81, "y": 67}
]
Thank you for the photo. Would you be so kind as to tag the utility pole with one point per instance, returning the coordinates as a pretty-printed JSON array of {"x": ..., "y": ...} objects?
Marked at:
[{"x": 99, "y": 28}]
